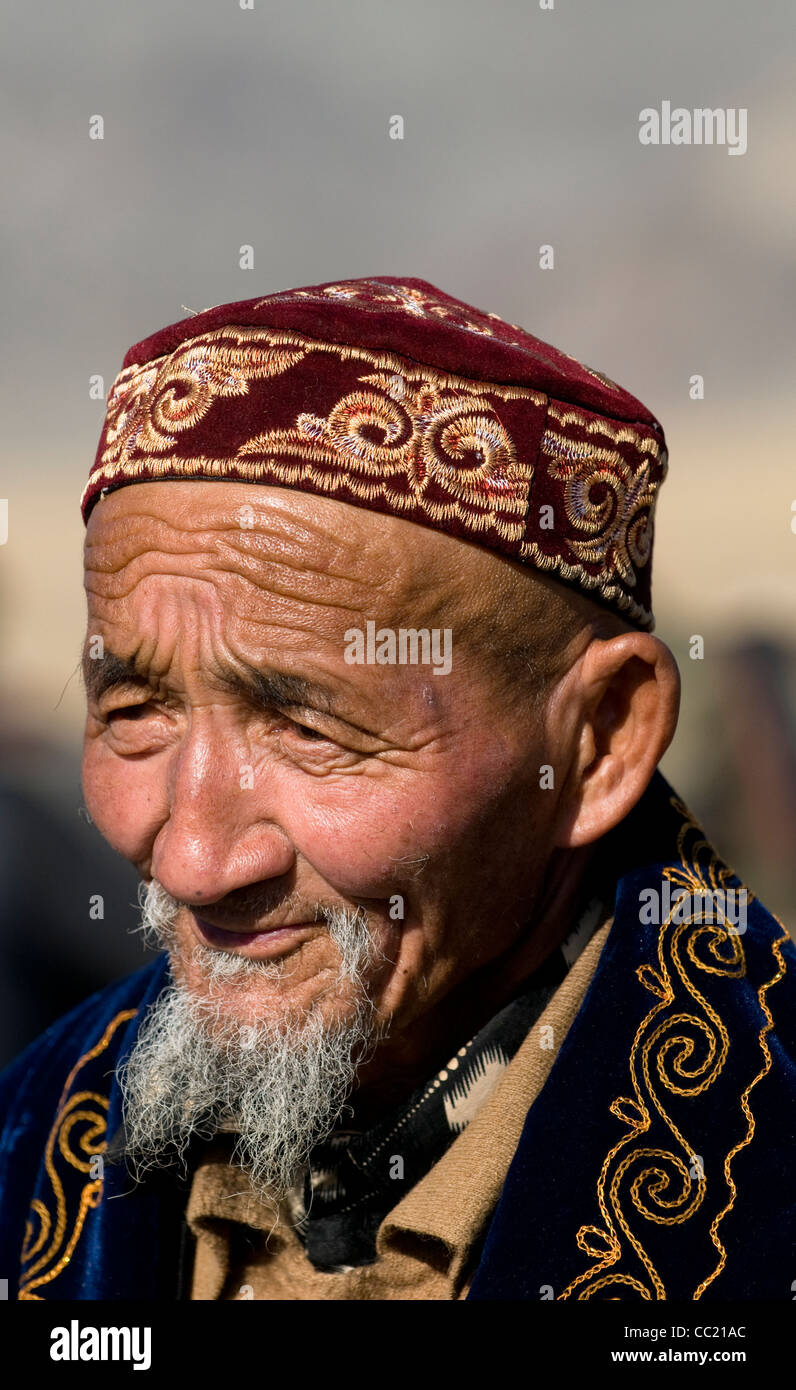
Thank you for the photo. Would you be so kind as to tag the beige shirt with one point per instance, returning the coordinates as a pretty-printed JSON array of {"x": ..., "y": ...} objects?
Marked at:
[{"x": 428, "y": 1244}]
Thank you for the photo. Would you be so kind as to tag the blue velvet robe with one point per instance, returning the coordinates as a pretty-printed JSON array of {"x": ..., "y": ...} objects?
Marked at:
[{"x": 656, "y": 1163}]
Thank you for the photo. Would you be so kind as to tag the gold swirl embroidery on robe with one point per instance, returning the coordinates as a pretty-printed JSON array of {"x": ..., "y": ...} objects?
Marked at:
[
  {"x": 683, "y": 1055},
  {"x": 750, "y": 1120},
  {"x": 86, "y": 1111}
]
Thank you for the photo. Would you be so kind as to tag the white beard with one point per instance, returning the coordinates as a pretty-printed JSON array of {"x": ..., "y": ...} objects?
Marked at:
[{"x": 280, "y": 1085}]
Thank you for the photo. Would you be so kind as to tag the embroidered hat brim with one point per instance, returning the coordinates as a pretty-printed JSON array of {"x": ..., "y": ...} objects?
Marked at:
[{"x": 391, "y": 395}]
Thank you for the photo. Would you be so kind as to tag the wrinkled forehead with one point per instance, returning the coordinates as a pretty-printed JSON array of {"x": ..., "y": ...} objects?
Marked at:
[{"x": 296, "y": 542}]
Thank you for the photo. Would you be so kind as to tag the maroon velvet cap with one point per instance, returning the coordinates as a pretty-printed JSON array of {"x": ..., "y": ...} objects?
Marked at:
[{"x": 388, "y": 394}]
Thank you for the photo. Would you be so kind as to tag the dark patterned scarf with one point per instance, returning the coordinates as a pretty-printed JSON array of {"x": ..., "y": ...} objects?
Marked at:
[{"x": 355, "y": 1177}]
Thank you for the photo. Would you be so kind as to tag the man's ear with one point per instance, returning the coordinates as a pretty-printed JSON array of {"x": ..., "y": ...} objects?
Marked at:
[{"x": 617, "y": 708}]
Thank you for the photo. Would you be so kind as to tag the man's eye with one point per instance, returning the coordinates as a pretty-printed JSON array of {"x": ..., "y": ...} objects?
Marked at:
[
  {"x": 129, "y": 712},
  {"x": 309, "y": 734}
]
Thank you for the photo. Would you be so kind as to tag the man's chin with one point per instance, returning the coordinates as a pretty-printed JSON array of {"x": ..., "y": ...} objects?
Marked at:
[
  {"x": 239, "y": 1053},
  {"x": 231, "y": 992}
]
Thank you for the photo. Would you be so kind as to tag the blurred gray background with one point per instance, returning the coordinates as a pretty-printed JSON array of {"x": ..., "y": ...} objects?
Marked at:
[{"x": 270, "y": 126}]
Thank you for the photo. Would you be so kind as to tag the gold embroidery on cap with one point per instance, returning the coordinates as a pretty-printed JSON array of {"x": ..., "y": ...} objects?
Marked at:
[
  {"x": 155, "y": 404},
  {"x": 429, "y": 434},
  {"x": 414, "y": 436},
  {"x": 409, "y": 438},
  {"x": 405, "y": 298},
  {"x": 608, "y": 501}
]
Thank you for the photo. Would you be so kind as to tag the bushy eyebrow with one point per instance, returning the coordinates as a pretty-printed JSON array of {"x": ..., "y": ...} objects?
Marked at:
[
  {"x": 266, "y": 688},
  {"x": 103, "y": 673},
  {"x": 271, "y": 689}
]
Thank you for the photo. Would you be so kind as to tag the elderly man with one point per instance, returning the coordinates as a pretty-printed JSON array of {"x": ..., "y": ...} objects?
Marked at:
[{"x": 455, "y": 1000}]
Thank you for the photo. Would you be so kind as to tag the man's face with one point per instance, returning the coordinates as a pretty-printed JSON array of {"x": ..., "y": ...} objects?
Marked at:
[{"x": 236, "y": 757}]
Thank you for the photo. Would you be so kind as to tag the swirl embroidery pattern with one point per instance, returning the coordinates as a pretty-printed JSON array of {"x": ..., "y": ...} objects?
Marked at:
[
  {"x": 560, "y": 488},
  {"x": 417, "y": 440},
  {"x": 654, "y": 1176},
  {"x": 411, "y": 440},
  {"x": 614, "y": 524},
  {"x": 78, "y": 1136}
]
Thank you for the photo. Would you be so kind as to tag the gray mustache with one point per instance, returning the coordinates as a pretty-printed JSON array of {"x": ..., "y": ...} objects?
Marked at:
[{"x": 348, "y": 928}]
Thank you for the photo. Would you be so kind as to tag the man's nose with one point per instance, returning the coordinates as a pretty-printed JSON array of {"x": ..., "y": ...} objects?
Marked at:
[{"x": 221, "y": 833}]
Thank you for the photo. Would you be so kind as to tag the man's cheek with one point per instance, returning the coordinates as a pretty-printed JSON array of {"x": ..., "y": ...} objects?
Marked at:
[
  {"x": 121, "y": 806},
  {"x": 368, "y": 851}
]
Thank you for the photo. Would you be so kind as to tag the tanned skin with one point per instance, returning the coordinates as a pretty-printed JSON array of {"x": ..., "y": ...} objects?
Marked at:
[{"x": 233, "y": 754}]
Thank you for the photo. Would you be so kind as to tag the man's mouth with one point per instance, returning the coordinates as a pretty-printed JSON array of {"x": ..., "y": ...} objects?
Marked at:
[{"x": 258, "y": 943}]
